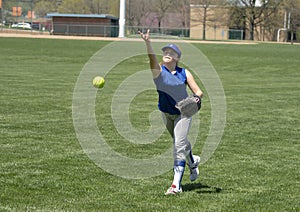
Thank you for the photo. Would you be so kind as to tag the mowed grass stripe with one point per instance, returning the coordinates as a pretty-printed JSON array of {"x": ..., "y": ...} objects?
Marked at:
[{"x": 255, "y": 168}]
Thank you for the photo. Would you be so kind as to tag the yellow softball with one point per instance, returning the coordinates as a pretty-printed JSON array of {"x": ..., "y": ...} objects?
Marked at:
[{"x": 98, "y": 82}]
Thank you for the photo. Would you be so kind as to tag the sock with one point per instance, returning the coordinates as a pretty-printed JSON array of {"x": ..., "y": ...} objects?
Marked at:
[
  {"x": 178, "y": 173},
  {"x": 190, "y": 158}
]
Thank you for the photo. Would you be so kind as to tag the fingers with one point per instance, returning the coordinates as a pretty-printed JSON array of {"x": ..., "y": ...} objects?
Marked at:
[
  {"x": 141, "y": 34},
  {"x": 146, "y": 35}
]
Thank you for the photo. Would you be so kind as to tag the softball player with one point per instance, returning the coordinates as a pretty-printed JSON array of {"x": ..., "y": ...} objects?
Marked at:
[{"x": 171, "y": 81}]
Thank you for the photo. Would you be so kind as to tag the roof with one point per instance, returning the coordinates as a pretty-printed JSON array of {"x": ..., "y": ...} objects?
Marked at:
[{"x": 81, "y": 15}]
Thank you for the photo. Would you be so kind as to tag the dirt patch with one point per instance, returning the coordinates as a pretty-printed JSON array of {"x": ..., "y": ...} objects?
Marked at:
[{"x": 36, "y": 34}]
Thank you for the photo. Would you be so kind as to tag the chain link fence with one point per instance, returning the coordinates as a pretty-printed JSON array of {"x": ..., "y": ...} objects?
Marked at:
[
  {"x": 85, "y": 30},
  {"x": 130, "y": 31}
]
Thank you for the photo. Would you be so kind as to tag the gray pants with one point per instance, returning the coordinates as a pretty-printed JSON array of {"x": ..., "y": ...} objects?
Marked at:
[{"x": 178, "y": 127}]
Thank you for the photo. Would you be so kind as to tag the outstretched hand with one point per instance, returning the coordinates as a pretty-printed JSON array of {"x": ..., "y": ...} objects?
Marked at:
[{"x": 146, "y": 36}]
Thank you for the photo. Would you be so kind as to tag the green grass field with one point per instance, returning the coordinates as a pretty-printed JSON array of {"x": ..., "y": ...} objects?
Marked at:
[{"x": 43, "y": 167}]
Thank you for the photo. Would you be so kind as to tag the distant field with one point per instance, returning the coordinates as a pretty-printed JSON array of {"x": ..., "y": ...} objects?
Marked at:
[{"x": 43, "y": 167}]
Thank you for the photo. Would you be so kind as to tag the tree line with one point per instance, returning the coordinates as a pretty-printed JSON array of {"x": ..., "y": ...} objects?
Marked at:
[{"x": 246, "y": 14}]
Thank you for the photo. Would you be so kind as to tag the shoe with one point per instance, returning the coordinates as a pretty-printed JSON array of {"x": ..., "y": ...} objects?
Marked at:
[
  {"x": 194, "y": 171},
  {"x": 173, "y": 190}
]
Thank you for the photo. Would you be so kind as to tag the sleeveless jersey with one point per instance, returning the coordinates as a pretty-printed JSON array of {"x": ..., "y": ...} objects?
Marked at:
[{"x": 171, "y": 89}]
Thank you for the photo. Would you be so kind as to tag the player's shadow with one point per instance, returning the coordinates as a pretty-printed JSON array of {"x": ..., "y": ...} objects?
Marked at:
[{"x": 201, "y": 188}]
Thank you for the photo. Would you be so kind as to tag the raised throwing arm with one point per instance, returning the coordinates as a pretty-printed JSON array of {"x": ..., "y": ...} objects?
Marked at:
[{"x": 154, "y": 65}]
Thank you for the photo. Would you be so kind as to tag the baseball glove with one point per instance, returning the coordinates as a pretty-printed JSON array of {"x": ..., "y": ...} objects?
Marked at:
[{"x": 189, "y": 106}]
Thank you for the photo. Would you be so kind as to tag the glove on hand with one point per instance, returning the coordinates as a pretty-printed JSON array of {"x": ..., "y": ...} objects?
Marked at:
[{"x": 189, "y": 106}]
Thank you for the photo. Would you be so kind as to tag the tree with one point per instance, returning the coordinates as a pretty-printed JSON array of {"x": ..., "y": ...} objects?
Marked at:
[
  {"x": 161, "y": 6},
  {"x": 74, "y": 6},
  {"x": 113, "y": 7},
  {"x": 137, "y": 10},
  {"x": 90, "y": 7},
  {"x": 97, "y": 6},
  {"x": 255, "y": 12},
  {"x": 43, "y": 7},
  {"x": 183, "y": 8},
  {"x": 205, "y": 14},
  {"x": 204, "y": 4}
]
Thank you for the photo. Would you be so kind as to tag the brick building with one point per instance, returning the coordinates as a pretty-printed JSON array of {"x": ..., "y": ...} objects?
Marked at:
[
  {"x": 218, "y": 28},
  {"x": 216, "y": 22}
]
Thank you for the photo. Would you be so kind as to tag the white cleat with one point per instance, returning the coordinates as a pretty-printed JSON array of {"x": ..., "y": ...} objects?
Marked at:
[
  {"x": 194, "y": 171},
  {"x": 173, "y": 190}
]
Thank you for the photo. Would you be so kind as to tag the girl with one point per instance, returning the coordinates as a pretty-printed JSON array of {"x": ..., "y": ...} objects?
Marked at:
[{"x": 171, "y": 81}]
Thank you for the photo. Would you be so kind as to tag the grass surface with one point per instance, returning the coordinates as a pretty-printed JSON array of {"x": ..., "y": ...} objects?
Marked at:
[{"x": 43, "y": 167}]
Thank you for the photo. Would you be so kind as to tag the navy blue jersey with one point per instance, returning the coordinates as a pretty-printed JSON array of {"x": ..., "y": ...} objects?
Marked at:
[{"x": 171, "y": 89}]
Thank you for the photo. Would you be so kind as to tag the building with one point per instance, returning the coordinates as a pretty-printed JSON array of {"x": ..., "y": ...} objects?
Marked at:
[
  {"x": 216, "y": 24},
  {"x": 84, "y": 24}
]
